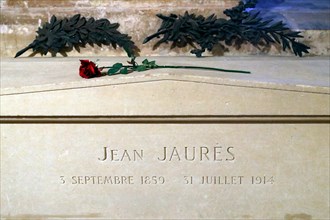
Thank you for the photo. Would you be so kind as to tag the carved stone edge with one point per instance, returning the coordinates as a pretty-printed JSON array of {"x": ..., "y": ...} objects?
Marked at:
[{"x": 168, "y": 119}]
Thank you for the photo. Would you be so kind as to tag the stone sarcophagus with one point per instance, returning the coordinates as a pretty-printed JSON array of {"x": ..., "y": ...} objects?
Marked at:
[{"x": 166, "y": 144}]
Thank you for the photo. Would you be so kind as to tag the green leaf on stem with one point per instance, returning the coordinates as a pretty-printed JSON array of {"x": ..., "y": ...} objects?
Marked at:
[
  {"x": 112, "y": 71},
  {"x": 141, "y": 68},
  {"x": 115, "y": 68},
  {"x": 145, "y": 62},
  {"x": 149, "y": 64},
  {"x": 124, "y": 70},
  {"x": 152, "y": 64}
]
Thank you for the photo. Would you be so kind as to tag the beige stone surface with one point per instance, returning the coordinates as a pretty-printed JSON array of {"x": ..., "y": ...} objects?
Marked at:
[
  {"x": 35, "y": 156},
  {"x": 263, "y": 136},
  {"x": 276, "y": 86}
]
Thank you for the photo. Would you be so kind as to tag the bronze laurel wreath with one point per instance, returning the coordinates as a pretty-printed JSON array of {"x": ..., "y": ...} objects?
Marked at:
[
  {"x": 62, "y": 35},
  {"x": 190, "y": 29}
]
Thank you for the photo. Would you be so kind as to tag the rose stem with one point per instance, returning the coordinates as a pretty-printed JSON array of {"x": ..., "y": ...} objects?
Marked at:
[
  {"x": 189, "y": 67},
  {"x": 204, "y": 68}
]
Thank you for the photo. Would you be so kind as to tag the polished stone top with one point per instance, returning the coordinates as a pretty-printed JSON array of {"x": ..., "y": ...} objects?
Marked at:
[
  {"x": 309, "y": 74},
  {"x": 276, "y": 86}
]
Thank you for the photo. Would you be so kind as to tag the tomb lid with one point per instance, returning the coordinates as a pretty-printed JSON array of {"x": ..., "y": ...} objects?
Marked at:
[{"x": 276, "y": 85}]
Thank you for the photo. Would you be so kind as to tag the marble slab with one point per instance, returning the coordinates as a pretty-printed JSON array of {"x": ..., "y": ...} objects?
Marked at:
[
  {"x": 166, "y": 144},
  {"x": 276, "y": 86},
  {"x": 211, "y": 171}
]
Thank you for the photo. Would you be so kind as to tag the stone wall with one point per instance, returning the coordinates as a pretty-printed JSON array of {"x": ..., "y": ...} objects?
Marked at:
[{"x": 20, "y": 19}]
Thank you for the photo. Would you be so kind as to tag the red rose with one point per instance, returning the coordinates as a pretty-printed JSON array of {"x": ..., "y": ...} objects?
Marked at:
[{"x": 88, "y": 69}]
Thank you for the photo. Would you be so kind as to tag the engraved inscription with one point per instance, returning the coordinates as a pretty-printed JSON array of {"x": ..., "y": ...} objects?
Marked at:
[
  {"x": 121, "y": 155},
  {"x": 231, "y": 180},
  {"x": 203, "y": 153},
  {"x": 167, "y": 154},
  {"x": 122, "y": 180},
  {"x": 162, "y": 180},
  {"x": 197, "y": 153},
  {"x": 113, "y": 180}
]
